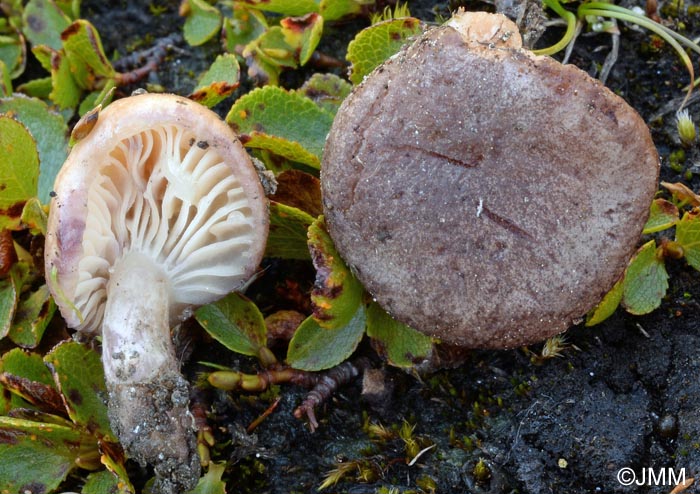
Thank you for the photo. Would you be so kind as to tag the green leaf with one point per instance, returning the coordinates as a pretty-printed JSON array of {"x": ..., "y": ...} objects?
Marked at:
[
  {"x": 32, "y": 316},
  {"x": 219, "y": 82},
  {"x": 10, "y": 288},
  {"x": 13, "y": 54},
  {"x": 607, "y": 306},
  {"x": 36, "y": 457},
  {"x": 78, "y": 372},
  {"x": 203, "y": 22},
  {"x": 36, "y": 88},
  {"x": 50, "y": 133},
  {"x": 326, "y": 90},
  {"x": 314, "y": 348},
  {"x": 83, "y": 49},
  {"x": 235, "y": 322},
  {"x": 401, "y": 345},
  {"x": 20, "y": 171},
  {"x": 688, "y": 236},
  {"x": 211, "y": 482},
  {"x": 103, "y": 482},
  {"x": 332, "y": 10},
  {"x": 243, "y": 27},
  {"x": 261, "y": 117},
  {"x": 43, "y": 23},
  {"x": 663, "y": 214},
  {"x": 27, "y": 365},
  {"x": 375, "y": 44},
  {"x": 645, "y": 282},
  {"x": 337, "y": 293},
  {"x": 288, "y": 232},
  {"x": 5, "y": 81},
  {"x": 284, "y": 7}
]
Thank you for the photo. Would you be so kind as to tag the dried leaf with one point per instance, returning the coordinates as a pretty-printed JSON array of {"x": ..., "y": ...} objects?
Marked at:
[
  {"x": 300, "y": 190},
  {"x": 682, "y": 193}
]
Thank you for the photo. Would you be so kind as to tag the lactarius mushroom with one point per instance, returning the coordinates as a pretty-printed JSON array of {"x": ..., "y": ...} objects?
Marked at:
[
  {"x": 484, "y": 195},
  {"x": 157, "y": 210}
]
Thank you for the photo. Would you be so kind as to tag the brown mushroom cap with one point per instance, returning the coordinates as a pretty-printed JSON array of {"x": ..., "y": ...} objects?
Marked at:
[
  {"x": 484, "y": 195},
  {"x": 164, "y": 176}
]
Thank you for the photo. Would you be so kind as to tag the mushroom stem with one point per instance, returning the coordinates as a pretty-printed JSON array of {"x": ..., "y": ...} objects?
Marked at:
[{"x": 148, "y": 397}]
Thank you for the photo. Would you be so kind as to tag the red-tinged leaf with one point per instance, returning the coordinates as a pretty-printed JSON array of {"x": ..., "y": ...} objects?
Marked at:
[{"x": 337, "y": 294}]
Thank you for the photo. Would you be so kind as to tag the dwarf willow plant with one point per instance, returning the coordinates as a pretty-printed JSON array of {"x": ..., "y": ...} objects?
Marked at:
[{"x": 602, "y": 9}]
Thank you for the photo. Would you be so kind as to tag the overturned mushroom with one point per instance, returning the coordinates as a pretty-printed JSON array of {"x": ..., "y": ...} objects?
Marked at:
[
  {"x": 156, "y": 211},
  {"x": 482, "y": 194}
]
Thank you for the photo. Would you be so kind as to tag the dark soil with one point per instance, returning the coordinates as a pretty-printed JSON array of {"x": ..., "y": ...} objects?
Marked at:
[{"x": 624, "y": 394}]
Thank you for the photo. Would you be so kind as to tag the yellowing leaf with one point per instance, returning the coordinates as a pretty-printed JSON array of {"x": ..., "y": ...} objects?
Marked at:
[
  {"x": 219, "y": 82},
  {"x": 378, "y": 42},
  {"x": 211, "y": 482},
  {"x": 688, "y": 236},
  {"x": 607, "y": 306},
  {"x": 303, "y": 34},
  {"x": 83, "y": 49},
  {"x": 5, "y": 81},
  {"x": 20, "y": 171},
  {"x": 337, "y": 293},
  {"x": 662, "y": 215}
]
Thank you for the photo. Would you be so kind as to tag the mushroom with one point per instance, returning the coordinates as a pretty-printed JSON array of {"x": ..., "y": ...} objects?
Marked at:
[
  {"x": 156, "y": 211},
  {"x": 484, "y": 195}
]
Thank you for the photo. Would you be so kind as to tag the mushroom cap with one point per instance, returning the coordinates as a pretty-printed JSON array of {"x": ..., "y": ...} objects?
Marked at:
[
  {"x": 164, "y": 176},
  {"x": 484, "y": 195}
]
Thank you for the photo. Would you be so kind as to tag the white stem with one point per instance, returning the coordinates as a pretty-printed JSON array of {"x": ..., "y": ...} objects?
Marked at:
[
  {"x": 136, "y": 341},
  {"x": 148, "y": 398}
]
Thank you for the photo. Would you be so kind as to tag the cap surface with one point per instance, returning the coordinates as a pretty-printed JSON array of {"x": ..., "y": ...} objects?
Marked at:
[
  {"x": 484, "y": 195},
  {"x": 164, "y": 176}
]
